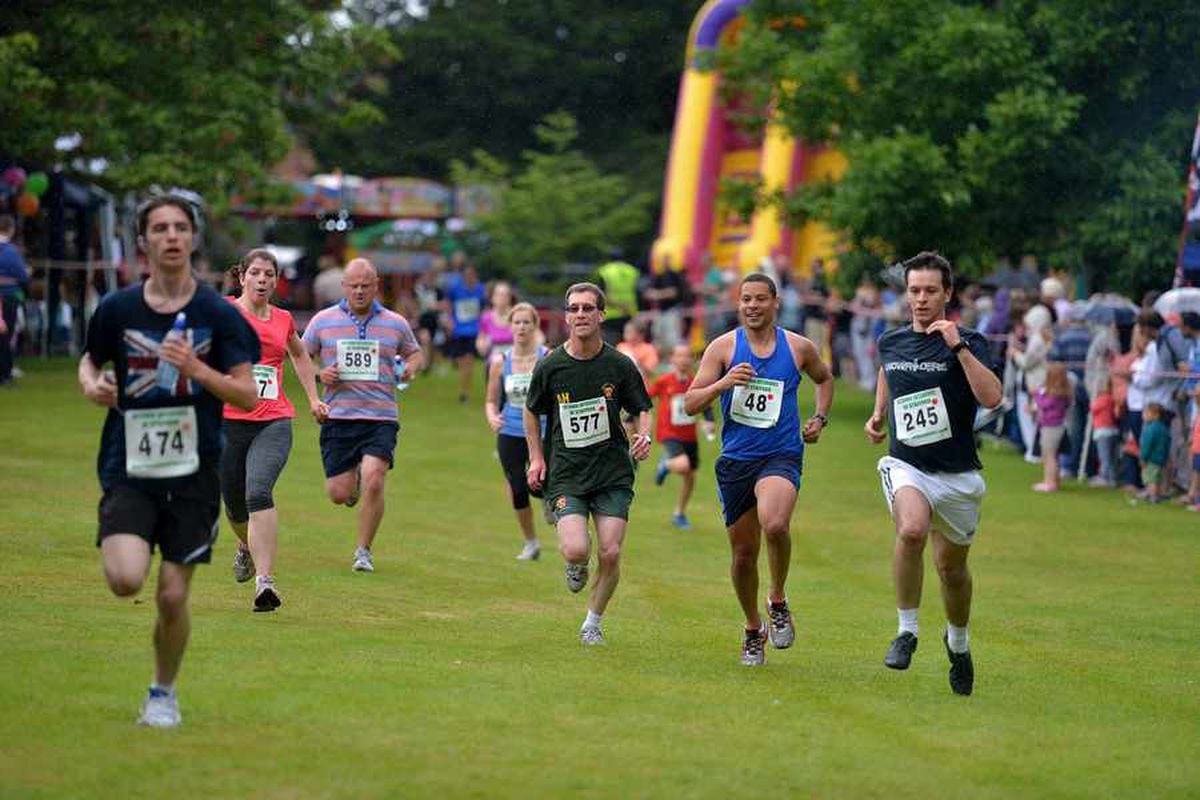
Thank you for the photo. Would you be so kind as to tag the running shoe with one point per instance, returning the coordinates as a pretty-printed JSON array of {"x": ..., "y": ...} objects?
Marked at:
[
  {"x": 577, "y": 576},
  {"x": 591, "y": 634},
  {"x": 160, "y": 709},
  {"x": 265, "y": 596},
  {"x": 754, "y": 647},
  {"x": 530, "y": 552},
  {"x": 781, "y": 626},
  {"x": 243, "y": 566},
  {"x": 900, "y": 654},
  {"x": 681, "y": 521},
  {"x": 962, "y": 670},
  {"x": 353, "y": 500},
  {"x": 362, "y": 560},
  {"x": 660, "y": 472}
]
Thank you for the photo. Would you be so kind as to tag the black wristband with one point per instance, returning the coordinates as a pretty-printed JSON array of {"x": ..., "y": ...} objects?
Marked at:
[
  {"x": 824, "y": 419},
  {"x": 958, "y": 348}
]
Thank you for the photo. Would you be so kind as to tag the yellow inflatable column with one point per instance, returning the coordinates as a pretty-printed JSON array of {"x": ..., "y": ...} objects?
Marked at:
[{"x": 766, "y": 228}]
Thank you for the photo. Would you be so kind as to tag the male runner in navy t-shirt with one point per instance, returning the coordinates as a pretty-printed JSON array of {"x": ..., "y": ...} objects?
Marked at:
[
  {"x": 935, "y": 375},
  {"x": 161, "y": 444}
]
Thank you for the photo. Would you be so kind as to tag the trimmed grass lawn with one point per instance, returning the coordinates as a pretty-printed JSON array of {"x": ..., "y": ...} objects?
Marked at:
[{"x": 456, "y": 671}]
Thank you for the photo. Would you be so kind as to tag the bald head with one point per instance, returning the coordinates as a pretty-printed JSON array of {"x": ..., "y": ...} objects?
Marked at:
[
  {"x": 361, "y": 267},
  {"x": 360, "y": 284}
]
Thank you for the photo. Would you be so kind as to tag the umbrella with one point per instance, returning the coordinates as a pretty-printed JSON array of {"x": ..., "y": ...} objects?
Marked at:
[
  {"x": 1013, "y": 279},
  {"x": 1177, "y": 301},
  {"x": 1110, "y": 310}
]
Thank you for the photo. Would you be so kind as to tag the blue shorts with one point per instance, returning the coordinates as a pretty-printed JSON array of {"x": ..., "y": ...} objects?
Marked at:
[
  {"x": 345, "y": 442},
  {"x": 1195, "y": 462},
  {"x": 736, "y": 481}
]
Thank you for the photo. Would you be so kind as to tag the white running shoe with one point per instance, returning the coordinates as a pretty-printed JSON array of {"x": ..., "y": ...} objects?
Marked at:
[
  {"x": 577, "y": 576},
  {"x": 591, "y": 635},
  {"x": 530, "y": 552},
  {"x": 243, "y": 566},
  {"x": 160, "y": 710},
  {"x": 362, "y": 560},
  {"x": 782, "y": 628}
]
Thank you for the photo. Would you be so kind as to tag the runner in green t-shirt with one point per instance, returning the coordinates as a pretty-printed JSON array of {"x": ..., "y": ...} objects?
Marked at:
[{"x": 581, "y": 388}]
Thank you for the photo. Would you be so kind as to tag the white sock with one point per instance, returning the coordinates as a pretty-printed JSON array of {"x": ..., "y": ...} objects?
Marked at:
[
  {"x": 908, "y": 620},
  {"x": 957, "y": 639},
  {"x": 259, "y": 580},
  {"x": 592, "y": 620}
]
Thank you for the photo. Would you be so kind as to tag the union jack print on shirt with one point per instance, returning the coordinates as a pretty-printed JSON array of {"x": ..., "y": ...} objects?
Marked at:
[{"x": 141, "y": 362}]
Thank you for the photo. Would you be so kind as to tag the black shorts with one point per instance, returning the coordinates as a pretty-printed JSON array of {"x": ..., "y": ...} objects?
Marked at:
[
  {"x": 678, "y": 447},
  {"x": 736, "y": 481},
  {"x": 459, "y": 346},
  {"x": 428, "y": 321},
  {"x": 345, "y": 442},
  {"x": 182, "y": 521}
]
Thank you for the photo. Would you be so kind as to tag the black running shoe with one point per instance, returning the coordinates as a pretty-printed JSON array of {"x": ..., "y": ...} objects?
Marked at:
[
  {"x": 962, "y": 670},
  {"x": 900, "y": 654},
  {"x": 266, "y": 598}
]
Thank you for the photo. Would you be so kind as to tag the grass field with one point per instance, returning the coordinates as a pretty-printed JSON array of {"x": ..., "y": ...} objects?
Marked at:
[{"x": 455, "y": 671}]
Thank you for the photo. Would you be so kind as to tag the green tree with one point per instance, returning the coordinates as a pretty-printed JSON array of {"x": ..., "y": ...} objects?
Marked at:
[
  {"x": 206, "y": 95},
  {"x": 557, "y": 207},
  {"x": 1054, "y": 127},
  {"x": 480, "y": 74}
]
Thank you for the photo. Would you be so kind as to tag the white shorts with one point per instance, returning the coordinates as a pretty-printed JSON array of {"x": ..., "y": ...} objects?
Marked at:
[{"x": 954, "y": 497}]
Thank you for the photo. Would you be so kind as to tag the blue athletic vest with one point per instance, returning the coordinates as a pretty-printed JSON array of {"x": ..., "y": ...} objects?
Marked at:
[
  {"x": 744, "y": 443},
  {"x": 513, "y": 413}
]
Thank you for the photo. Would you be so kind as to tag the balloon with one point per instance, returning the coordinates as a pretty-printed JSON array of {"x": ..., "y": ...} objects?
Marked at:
[
  {"x": 37, "y": 183},
  {"x": 27, "y": 204},
  {"x": 14, "y": 177}
]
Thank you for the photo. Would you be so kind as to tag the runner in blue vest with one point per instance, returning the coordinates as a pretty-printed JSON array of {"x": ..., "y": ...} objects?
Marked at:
[
  {"x": 508, "y": 384},
  {"x": 755, "y": 370}
]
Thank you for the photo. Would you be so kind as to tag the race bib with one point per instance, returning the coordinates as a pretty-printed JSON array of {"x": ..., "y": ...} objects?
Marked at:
[
  {"x": 358, "y": 359},
  {"x": 516, "y": 388},
  {"x": 921, "y": 418},
  {"x": 266, "y": 379},
  {"x": 161, "y": 442},
  {"x": 466, "y": 309},
  {"x": 584, "y": 423},
  {"x": 679, "y": 417},
  {"x": 757, "y": 404}
]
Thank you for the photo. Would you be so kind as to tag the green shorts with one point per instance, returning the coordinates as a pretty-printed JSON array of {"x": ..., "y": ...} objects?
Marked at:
[
  {"x": 1151, "y": 474},
  {"x": 604, "y": 502}
]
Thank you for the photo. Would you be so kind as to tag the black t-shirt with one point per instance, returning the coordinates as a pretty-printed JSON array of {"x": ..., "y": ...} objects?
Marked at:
[
  {"x": 930, "y": 402},
  {"x": 583, "y": 459},
  {"x": 127, "y": 332}
]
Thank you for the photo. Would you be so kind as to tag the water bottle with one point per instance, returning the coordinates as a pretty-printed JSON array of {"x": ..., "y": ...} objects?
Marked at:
[
  {"x": 167, "y": 374},
  {"x": 401, "y": 365}
]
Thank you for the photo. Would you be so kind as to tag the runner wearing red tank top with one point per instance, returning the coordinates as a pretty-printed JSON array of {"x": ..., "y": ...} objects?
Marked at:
[{"x": 258, "y": 441}]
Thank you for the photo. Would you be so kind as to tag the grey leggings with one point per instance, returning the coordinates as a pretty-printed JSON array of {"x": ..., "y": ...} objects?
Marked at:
[{"x": 254, "y": 455}]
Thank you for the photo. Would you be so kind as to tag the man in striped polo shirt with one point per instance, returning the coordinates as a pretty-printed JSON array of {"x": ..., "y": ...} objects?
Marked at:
[{"x": 357, "y": 342}]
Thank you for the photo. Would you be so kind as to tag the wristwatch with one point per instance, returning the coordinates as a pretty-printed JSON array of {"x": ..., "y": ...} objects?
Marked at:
[
  {"x": 962, "y": 345},
  {"x": 824, "y": 419}
]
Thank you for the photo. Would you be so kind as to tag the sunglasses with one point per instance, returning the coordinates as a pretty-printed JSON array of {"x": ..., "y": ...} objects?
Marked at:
[{"x": 581, "y": 309}]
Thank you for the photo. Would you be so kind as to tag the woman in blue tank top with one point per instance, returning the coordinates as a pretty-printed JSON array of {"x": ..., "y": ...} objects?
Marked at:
[
  {"x": 762, "y": 445},
  {"x": 508, "y": 383}
]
